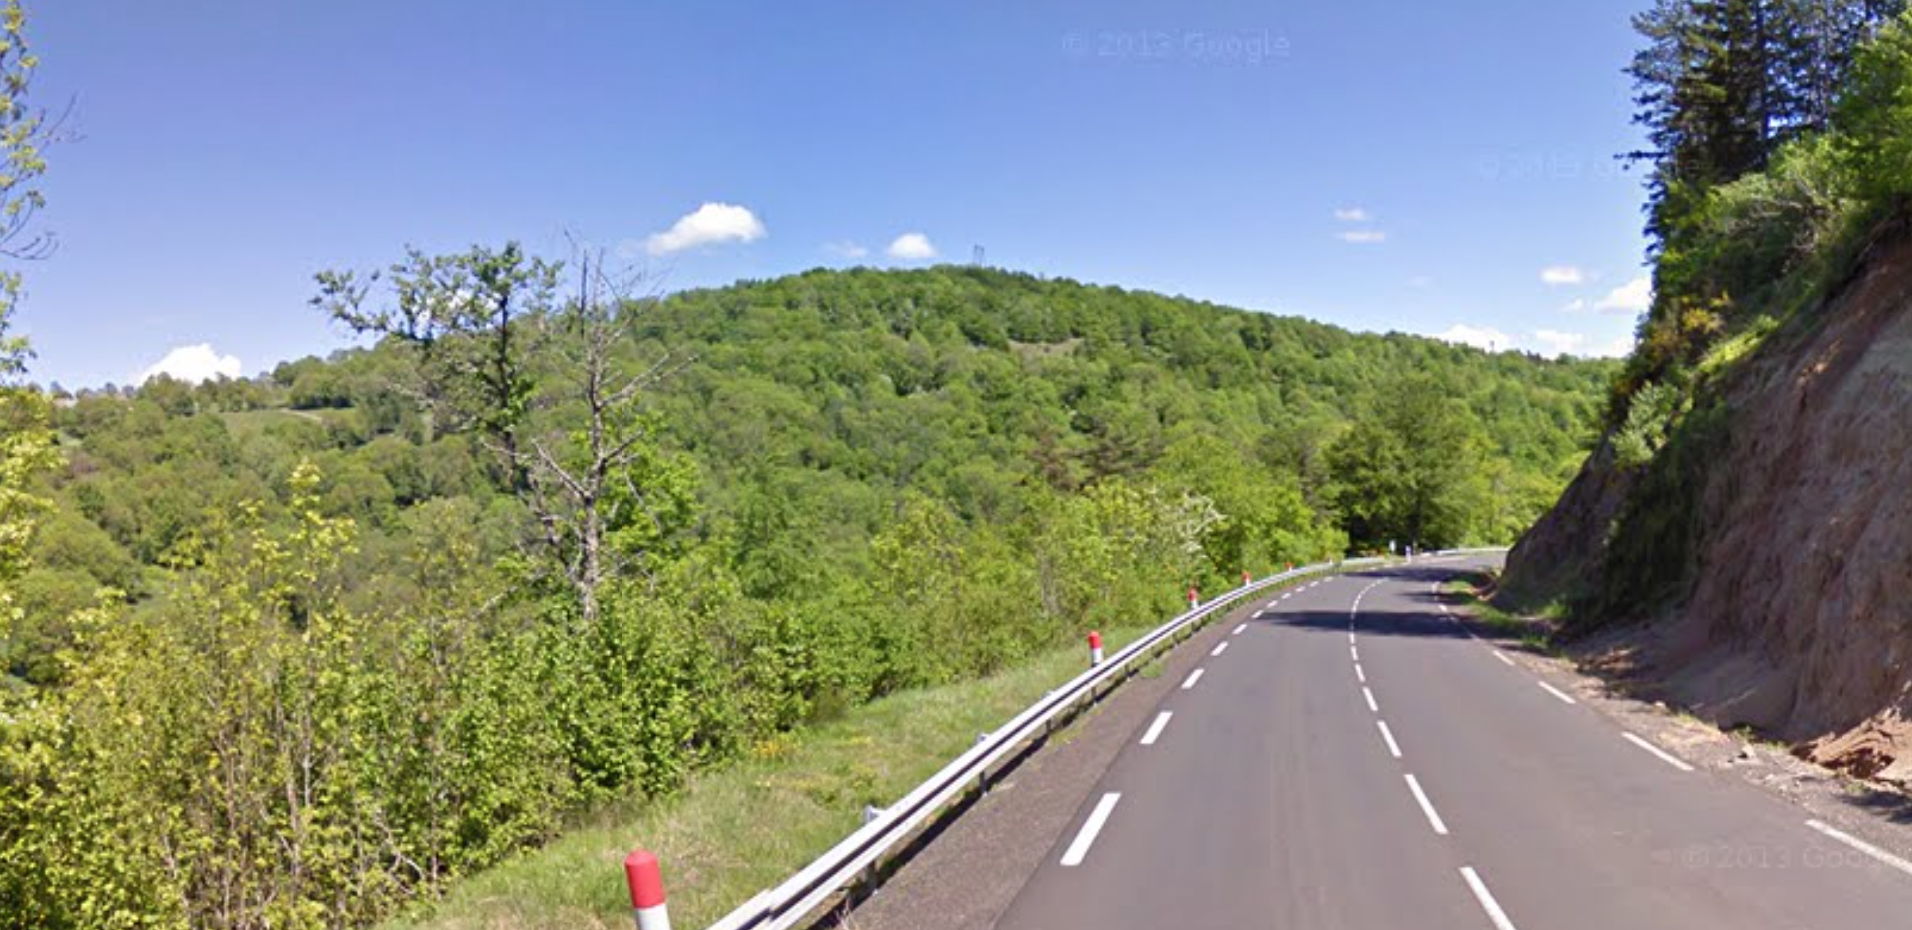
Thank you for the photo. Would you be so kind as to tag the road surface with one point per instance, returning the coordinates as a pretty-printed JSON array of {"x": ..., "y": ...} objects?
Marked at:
[{"x": 1353, "y": 757}]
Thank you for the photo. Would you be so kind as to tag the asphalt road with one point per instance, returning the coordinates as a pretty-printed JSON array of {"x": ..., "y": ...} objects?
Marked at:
[{"x": 1355, "y": 758}]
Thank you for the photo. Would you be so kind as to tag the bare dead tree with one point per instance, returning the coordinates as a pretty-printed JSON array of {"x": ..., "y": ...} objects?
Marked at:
[{"x": 581, "y": 484}]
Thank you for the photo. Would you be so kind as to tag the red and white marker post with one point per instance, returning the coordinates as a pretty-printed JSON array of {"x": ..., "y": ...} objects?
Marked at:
[
  {"x": 1194, "y": 598},
  {"x": 647, "y": 890},
  {"x": 1095, "y": 648},
  {"x": 1246, "y": 578}
]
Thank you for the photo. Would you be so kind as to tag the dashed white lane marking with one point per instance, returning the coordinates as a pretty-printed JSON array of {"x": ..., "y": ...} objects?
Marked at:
[
  {"x": 1443, "y": 608},
  {"x": 1354, "y": 652},
  {"x": 1427, "y": 807},
  {"x": 1358, "y": 673},
  {"x": 1192, "y": 678},
  {"x": 1503, "y": 657},
  {"x": 1486, "y": 899},
  {"x": 1288, "y": 595},
  {"x": 1240, "y": 628},
  {"x": 1218, "y": 650},
  {"x": 1079, "y": 847},
  {"x": 1556, "y": 692},
  {"x": 1666, "y": 757},
  {"x": 1883, "y": 857},
  {"x": 1394, "y": 748},
  {"x": 1369, "y": 694},
  {"x": 1350, "y": 637},
  {"x": 1155, "y": 729}
]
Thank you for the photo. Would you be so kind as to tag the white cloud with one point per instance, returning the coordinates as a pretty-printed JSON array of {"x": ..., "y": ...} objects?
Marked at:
[
  {"x": 845, "y": 249},
  {"x": 1480, "y": 337},
  {"x": 1560, "y": 343},
  {"x": 912, "y": 247},
  {"x": 709, "y": 224},
  {"x": 1353, "y": 215},
  {"x": 1562, "y": 274},
  {"x": 1420, "y": 281},
  {"x": 1632, "y": 297},
  {"x": 193, "y": 364},
  {"x": 1575, "y": 305},
  {"x": 1362, "y": 236},
  {"x": 1618, "y": 348}
]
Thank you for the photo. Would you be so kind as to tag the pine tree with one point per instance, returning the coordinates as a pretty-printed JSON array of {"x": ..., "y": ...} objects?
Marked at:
[{"x": 1722, "y": 84}]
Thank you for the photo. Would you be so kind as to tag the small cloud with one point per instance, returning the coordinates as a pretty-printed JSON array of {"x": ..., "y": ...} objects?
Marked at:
[
  {"x": 1480, "y": 337},
  {"x": 1575, "y": 305},
  {"x": 1557, "y": 275},
  {"x": 1560, "y": 343},
  {"x": 1353, "y": 215},
  {"x": 1634, "y": 297},
  {"x": 912, "y": 247},
  {"x": 1362, "y": 236},
  {"x": 1420, "y": 281},
  {"x": 845, "y": 249},
  {"x": 709, "y": 224},
  {"x": 1618, "y": 348},
  {"x": 193, "y": 364}
]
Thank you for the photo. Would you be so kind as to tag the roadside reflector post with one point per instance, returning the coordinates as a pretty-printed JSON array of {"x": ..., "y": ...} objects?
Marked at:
[
  {"x": 647, "y": 890},
  {"x": 1095, "y": 648},
  {"x": 1246, "y": 578},
  {"x": 1194, "y": 598},
  {"x": 1291, "y": 566}
]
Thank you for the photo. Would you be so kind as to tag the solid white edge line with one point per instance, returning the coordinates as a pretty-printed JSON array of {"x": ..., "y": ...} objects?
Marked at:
[
  {"x": 1556, "y": 692},
  {"x": 1192, "y": 678},
  {"x": 1155, "y": 729},
  {"x": 1503, "y": 657},
  {"x": 1218, "y": 650},
  {"x": 1486, "y": 899},
  {"x": 1666, "y": 757},
  {"x": 1394, "y": 748},
  {"x": 1358, "y": 673},
  {"x": 1883, "y": 857},
  {"x": 1242, "y": 627},
  {"x": 1369, "y": 694},
  {"x": 1079, "y": 847},
  {"x": 1427, "y": 807}
]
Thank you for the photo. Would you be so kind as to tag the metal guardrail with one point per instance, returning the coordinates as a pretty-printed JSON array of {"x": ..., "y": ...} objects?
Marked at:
[{"x": 790, "y": 903}]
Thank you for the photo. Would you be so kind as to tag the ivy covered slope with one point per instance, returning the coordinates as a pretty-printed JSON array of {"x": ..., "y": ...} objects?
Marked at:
[
  {"x": 298, "y": 651},
  {"x": 1745, "y": 520}
]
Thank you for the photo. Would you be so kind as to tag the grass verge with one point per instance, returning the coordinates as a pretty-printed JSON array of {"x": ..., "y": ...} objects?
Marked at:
[{"x": 1534, "y": 632}]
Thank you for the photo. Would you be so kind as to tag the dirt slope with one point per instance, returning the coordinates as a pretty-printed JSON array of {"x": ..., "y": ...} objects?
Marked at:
[{"x": 1798, "y": 621}]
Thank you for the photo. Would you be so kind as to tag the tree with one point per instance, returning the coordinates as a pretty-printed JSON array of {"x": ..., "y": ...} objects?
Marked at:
[
  {"x": 602, "y": 496},
  {"x": 26, "y": 444},
  {"x": 464, "y": 316},
  {"x": 1409, "y": 469},
  {"x": 1721, "y": 84}
]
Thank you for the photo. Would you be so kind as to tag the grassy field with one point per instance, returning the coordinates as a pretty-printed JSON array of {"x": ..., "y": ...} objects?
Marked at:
[{"x": 736, "y": 831}]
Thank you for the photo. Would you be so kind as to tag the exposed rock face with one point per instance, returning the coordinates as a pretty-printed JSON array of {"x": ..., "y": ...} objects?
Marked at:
[{"x": 1798, "y": 620}]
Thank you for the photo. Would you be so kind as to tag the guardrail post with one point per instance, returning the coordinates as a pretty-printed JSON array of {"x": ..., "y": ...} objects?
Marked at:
[
  {"x": 647, "y": 890},
  {"x": 1095, "y": 648}
]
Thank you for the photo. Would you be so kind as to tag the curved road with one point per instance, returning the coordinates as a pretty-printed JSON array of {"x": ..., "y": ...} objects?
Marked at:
[{"x": 1353, "y": 758}]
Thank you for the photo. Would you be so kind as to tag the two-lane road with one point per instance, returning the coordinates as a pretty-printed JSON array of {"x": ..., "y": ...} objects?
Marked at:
[{"x": 1353, "y": 758}]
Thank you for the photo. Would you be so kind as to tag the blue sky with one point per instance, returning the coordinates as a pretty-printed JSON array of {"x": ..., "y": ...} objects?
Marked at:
[{"x": 1404, "y": 166}]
